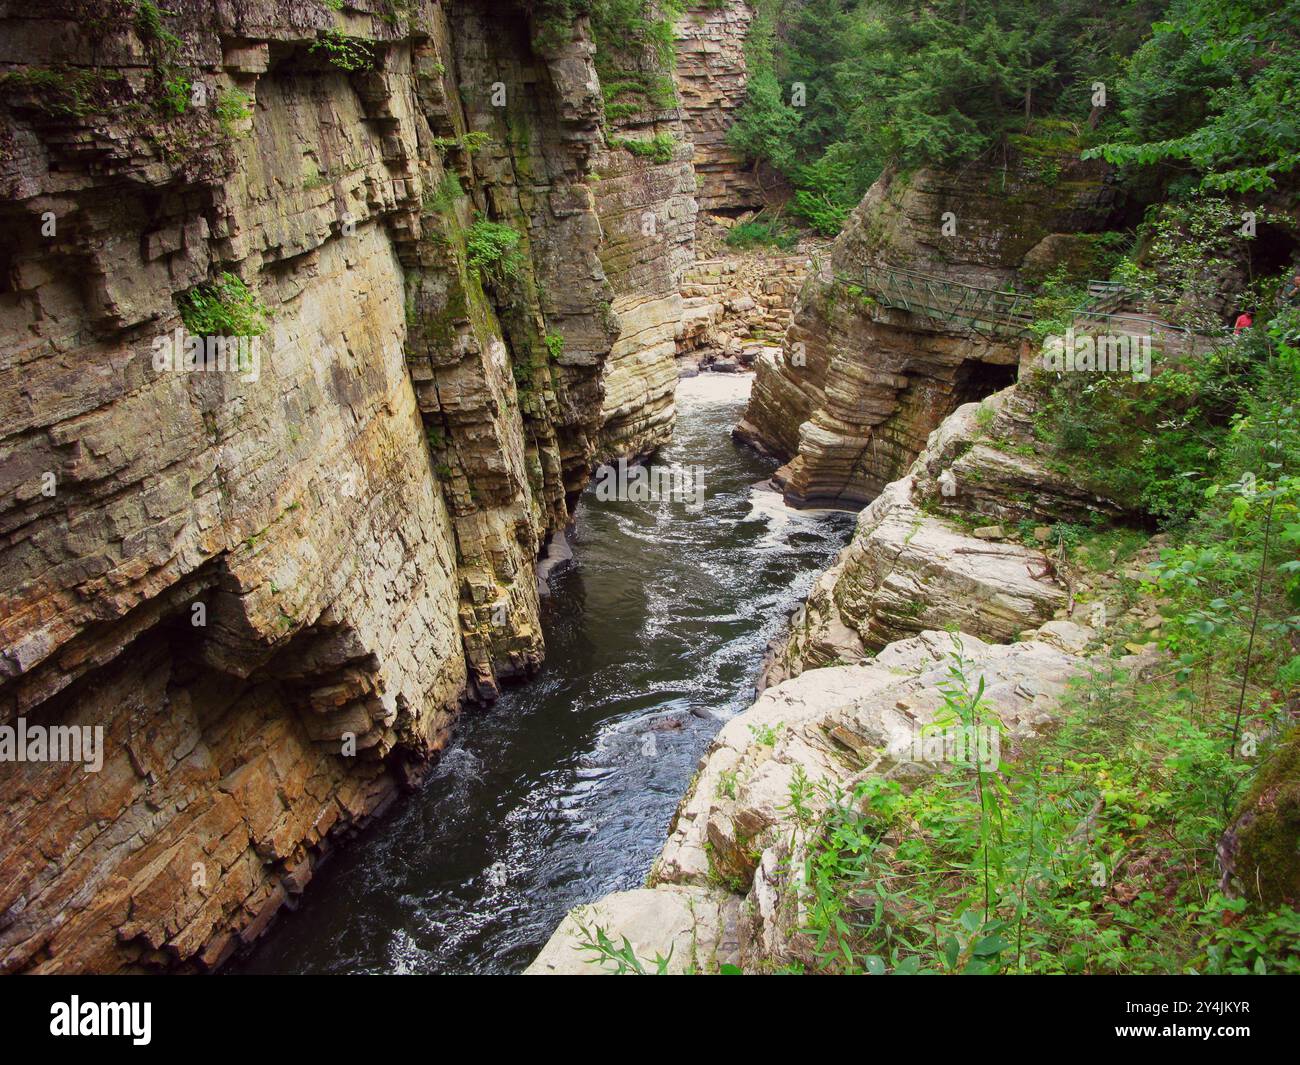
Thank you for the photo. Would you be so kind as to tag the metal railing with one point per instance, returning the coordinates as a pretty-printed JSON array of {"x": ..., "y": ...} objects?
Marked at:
[
  {"x": 952, "y": 303},
  {"x": 955, "y": 304}
]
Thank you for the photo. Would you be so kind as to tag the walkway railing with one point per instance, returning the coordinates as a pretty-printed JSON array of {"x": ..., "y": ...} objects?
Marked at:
[
  {"x": 956, "y": 305},
  {"x": 951, "y": 303}
]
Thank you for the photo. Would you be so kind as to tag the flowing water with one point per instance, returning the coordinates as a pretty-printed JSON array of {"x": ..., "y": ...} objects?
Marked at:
[{"x": 562, "y": 791}]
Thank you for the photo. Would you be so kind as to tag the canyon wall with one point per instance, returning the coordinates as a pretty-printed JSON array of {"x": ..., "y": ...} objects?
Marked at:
[
  {"x": 858, "y": 386},
  {"x": 644, "y": 185},
  {"x": 711, "y": 80},
  {"x": 273, "y": 584}
]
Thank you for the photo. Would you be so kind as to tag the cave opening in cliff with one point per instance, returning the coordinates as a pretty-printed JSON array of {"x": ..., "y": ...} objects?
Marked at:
[
  {"x": 1274, "y": 249},
  {"x": 976, "y": 379}
]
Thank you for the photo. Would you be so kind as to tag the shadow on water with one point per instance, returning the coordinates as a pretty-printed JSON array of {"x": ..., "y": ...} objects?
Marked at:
[{"x": 563, "y": 790}]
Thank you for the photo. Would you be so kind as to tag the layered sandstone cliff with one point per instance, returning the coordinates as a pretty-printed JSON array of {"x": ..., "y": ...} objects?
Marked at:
[
  {"x": 644, "y": 187},
  {"x": 860, "y": 384},
  {"x": 273, "y": 589},
  {"x": 712, "y": 78}
]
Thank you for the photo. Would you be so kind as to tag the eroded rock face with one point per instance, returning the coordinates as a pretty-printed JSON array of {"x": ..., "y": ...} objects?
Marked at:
[
  {"x": 711, "y": 80},
  {"x": 832, "y": 727},
  {"x": 858, "y": 386},
  {"x": 906, "y": 572},
  {"x": 647, "y": 211},
  {"x": 272, "y": 589}
]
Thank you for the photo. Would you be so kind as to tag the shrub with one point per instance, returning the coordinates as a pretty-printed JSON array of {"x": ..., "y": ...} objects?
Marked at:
[
  {"x": 493, "y": 249},
  {"x": 761, "y": 234},
  {"x": 347, "y": 53},
  {"x": 233, "y": 106},
  {"x": 223, "y": 307}
]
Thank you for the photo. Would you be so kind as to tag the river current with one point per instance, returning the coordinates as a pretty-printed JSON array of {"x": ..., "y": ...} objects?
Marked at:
[{"x": 562, "y": 791}]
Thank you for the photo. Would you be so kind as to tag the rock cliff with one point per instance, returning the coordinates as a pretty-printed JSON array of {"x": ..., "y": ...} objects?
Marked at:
[
  {"x": 273, "y": 582},
  {"x": 957, "y": 537},
  {"x": 859, "y": 385},
  {"x": 644, "y": 187},
  {"x": 711, "y": 78}
]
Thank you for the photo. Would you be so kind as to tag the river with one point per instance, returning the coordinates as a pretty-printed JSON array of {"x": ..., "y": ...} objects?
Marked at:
[{"x": 562, "y": 791}]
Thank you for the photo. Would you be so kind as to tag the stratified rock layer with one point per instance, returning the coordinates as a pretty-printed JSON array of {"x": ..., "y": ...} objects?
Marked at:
[
  {"x": 711, "y": 79},
  {"x": 858, "y": 386},
  {"x": 273, "y": 589},
  {"x": 647, "y": 211}
]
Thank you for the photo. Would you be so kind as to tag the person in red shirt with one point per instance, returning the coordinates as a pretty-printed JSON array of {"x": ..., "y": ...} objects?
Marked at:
[{"x": 1244, "y": 322}]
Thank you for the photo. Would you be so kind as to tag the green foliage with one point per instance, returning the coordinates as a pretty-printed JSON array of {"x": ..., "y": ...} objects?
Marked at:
[
  {"x": 233, "y": 106},
  {"x": 619, "y": 959},
  {"x": 1147, "y": 445},
  {"x": 621, "y": 27},
  {"x": 63, "y": 92},
  {"x": 446, "y": 195},
  {"x": 1163, "y": 440},
  {"x": 471, "y": 142},
  {"x": 554, "y": 346},
  {"x": 661, "y": 148},
  {"x": 149, "y": 25},
  {"x": 348, "y": 53},
  {"x": 1243, "y": 552},
  {"x": 1210, "y": 99},
  {"x": 761, "y": 233},
  {"x": 765, "y": 128},
  {"x": 1094, "y": 856},
  {"x": 631, "y": 93},
  {"x": 914, "y": 84},
  {"x": 176, "y": 94},
  {"x": 493, "y": 249},
  {"x": 222, "y": 307},
  {"x": 830, "y": 187},
  {"x": 766, "y": 735},
  {"x": 1194, "y": 245}
]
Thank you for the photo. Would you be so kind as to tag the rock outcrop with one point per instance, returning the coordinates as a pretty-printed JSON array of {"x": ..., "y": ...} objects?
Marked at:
[
  {"x": 736, "y": 827},
  {"x": 272, "y": 582},
  {"x": 858, "y": 386},
  {"x": 711, "y": 79},
  {"x": 693, "y": 929},
  {"x": 942, "y": 546},
  {"x": 905, "y": 573},
  {"x": 1258, "y": 853}
]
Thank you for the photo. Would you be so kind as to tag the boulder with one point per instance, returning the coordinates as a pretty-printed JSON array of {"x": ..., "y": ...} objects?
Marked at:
[
  {"x": 906, "y": 571},
  {"x": 694, "y": 928}
]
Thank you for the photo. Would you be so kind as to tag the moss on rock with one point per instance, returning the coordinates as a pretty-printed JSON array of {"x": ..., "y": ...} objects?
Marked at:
[{"x": 1264, "y": 842}]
